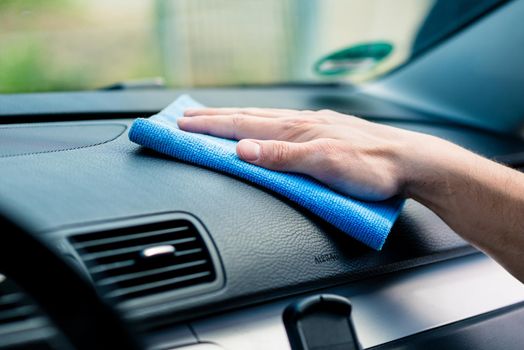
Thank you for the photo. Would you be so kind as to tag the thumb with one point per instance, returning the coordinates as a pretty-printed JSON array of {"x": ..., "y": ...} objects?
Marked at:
[{"x": 274, "y": 155}]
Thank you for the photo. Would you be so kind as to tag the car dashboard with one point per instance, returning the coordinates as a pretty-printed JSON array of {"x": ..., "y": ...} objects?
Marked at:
[{"x": 198, "y": 259}]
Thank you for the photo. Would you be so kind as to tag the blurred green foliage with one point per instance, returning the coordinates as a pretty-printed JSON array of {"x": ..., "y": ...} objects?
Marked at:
[
  {"x": 24, "y": 64},
  {"x": 59, "y": 45},
  {"x": 33, "y": 4},
  {"x": 25, "y": 69}
]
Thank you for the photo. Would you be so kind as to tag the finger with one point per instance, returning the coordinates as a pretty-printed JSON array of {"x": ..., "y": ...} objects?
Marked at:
[
  {"x": 277, "y": 155},
  {"x": 237, "y": 127},
  {"x": 305, "y": 158},
  {"x": 259, "y": 112}
]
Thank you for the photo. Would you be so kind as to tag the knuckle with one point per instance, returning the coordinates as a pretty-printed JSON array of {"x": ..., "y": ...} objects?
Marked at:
[
  {"x": 237, "y": 121},
  {"x": 301, "y": 124},
  {"x": 327, "y": 116},
  {"x": 278, "y": 155},
  {"x": 305, "y": 128},
  {"x": 295, "y": 127},
  {"x": 329, "y": 151},
  {"x": 328, "y": 159}
]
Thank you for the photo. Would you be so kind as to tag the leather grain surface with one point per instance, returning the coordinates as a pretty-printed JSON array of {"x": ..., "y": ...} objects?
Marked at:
[{"x": 268, "y": 246}]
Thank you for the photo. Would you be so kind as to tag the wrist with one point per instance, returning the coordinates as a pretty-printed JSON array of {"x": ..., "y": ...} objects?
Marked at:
[{"x": 433, "y": 168}]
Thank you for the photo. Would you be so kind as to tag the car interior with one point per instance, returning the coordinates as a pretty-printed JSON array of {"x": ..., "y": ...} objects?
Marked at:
[{"x": 107, "y": 244}]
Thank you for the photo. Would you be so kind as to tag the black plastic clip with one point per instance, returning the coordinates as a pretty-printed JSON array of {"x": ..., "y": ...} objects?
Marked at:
[{"x": 321, "y": 322}]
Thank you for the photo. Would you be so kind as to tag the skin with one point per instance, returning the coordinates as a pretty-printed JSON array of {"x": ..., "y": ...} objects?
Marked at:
[{"x": 481, "y": 200}]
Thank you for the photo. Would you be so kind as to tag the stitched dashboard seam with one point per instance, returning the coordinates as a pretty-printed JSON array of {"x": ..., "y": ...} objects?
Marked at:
[{"x": 63, "y": 149}]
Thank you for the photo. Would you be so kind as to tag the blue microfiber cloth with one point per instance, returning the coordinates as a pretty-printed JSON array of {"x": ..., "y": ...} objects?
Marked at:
[{"x": 368, "y": 222}]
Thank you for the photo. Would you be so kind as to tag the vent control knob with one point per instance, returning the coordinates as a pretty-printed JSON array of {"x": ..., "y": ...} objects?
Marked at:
[{"x": 157, "y": 250}]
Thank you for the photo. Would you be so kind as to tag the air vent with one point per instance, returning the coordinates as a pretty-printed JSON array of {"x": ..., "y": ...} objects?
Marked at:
[
  {"x": 149, "y": 259},
  {"x": 22, "y": 324}
]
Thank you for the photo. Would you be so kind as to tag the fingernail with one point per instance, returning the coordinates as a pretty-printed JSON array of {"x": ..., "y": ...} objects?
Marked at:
[
  {"x": 189, "y": 111},
  {"x": 250, "y": 151}
]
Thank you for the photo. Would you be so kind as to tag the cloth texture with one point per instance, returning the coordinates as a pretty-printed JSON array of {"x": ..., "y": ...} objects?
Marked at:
[{"x": 367, "y": 222}]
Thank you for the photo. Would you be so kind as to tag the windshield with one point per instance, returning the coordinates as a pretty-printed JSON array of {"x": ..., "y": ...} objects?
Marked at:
[{"x": 57, "y": 45}]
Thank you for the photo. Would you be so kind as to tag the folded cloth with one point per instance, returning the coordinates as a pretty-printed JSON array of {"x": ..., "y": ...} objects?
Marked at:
[{"x": 368, "y": 222}]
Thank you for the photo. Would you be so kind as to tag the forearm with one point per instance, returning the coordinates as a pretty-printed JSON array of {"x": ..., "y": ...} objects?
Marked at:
[{"x": 481, "y": 200}]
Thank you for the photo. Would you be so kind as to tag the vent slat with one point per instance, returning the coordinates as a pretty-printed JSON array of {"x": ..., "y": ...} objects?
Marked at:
[
  {"x": 10, "y": 298},
  {"x": 133, "y": 249},
  {"x": 132, "y": 262},
  {"x": 123, "y": 291},
  {"x": 113, "y": 266},
  {"x": 131, "y": 276},
  {"x": 188, "y": 252},
  {"x": 33, "y": 323},
  {"x": 22, "y": 323},
  {"x": 96, "y": 242},
  {"x": 17, "y": 312}
]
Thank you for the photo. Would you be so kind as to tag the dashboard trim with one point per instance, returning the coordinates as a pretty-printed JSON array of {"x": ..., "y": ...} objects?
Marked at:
[{"x": 384, "y": 308}]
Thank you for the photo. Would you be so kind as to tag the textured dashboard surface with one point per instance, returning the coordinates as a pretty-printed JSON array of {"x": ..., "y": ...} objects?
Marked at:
[
  {"x": 28, "y": 139},
  {"x": 268, "y": 246}
]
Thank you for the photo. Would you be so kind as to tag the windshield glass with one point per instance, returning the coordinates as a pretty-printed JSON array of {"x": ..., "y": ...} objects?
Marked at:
[{"x": 57, "y": 45}]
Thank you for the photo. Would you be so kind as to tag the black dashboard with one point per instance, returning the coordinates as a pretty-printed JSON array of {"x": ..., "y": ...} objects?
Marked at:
[
  {"x": 193, "y": 259},
  {"x": 79, "y": 175}
]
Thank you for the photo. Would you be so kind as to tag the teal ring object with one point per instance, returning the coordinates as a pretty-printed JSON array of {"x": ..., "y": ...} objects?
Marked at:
[{"x": 374, "y": 51}]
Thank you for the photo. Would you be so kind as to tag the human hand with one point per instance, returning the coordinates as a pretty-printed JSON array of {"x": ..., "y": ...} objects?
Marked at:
[
  {"x": 481, "y": 200},
  {"x": 349, "y": 154}
]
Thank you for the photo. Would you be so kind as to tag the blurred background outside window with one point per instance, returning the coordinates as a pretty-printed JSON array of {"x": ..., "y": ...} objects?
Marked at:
[{"x": 57, "y": 45}]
